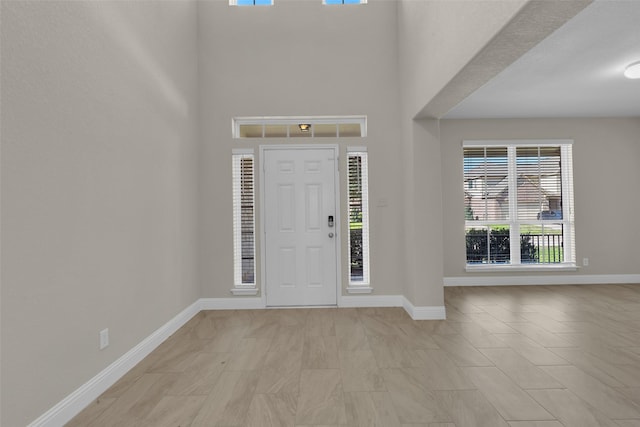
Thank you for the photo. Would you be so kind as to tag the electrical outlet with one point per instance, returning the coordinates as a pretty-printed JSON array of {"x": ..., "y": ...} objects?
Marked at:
[
  {"x": 585, "y": 262},
  {"x": 104, "y": 338}
]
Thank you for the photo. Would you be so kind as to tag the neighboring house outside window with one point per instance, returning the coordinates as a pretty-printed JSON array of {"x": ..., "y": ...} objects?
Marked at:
[
  {"x": 358, "y": 193},
  {"x": 244, "y": 242},
  {"x": 518, "y": 203}
]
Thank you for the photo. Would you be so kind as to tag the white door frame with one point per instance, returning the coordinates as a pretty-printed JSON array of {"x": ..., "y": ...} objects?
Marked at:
[{"x": 338, "y": 221}]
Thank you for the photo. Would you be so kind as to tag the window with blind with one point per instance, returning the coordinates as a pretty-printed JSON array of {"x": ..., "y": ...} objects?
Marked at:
[
  {"x": 358, "y": 217},
  {"x": 243, "y": 220},
  {"x": 518, "y": 203}
]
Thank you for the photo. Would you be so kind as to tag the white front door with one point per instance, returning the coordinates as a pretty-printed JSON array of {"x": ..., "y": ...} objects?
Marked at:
[{"x": 300, "y": 219}]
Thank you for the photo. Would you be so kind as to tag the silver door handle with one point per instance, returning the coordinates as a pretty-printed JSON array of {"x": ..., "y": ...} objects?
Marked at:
[{"x": 330, "y": 234}]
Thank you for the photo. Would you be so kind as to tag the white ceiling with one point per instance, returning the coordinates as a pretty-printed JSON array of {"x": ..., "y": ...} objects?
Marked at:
[{"x": 575, "y": 72}]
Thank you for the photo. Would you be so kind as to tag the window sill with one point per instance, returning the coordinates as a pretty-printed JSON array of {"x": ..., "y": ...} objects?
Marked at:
[
  {"x": 522, "y": 267},
  {"x": 244, "y": 291},
  {"x": 359, "y": 289}
]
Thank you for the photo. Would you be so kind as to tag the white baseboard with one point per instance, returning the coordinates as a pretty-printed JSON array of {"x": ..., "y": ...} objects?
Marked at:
[
  {"x": 416, "y": 313},
  {"x": 424, "y": 312},
  {"x": 71, "y": 405},
  {"x": 569, "y": 279}
]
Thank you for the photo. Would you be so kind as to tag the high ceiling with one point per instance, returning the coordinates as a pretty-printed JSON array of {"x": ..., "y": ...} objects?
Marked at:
[{"x": 575, "y": 72}]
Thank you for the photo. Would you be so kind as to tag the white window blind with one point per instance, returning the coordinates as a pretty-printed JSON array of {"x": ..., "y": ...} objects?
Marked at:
[
  {"x": 243, "y": 219},
  {"x": 519, "y": 203},
  {"x": 358, "y": 217}
]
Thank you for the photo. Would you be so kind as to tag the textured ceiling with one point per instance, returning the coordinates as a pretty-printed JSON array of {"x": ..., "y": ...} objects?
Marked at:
[{"x": 575, "y": 72}]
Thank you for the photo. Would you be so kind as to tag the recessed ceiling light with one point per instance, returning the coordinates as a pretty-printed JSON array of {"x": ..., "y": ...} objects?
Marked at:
[
  {"x": 304, "y": 127},
  {"x": 633, "y": 71}
]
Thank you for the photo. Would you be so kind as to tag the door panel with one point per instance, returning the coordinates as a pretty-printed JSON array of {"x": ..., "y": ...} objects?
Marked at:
[
  {"x": 287, "y": 267},
  {"x": 300, "y": 258},
  {"x": 313, "y": 211},
  {"x": 286, "y": 208}
]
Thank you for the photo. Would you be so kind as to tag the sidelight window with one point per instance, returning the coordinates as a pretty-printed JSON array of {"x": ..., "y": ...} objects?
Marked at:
[
  {"x": 244, "y": 252},
  {"x": 358, "y": 189}
]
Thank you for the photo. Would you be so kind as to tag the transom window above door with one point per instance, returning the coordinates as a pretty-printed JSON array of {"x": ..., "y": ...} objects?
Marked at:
[
  {"x": 344, "y": 1},
  {"x": 270, "y": 2},
  {"x": 250, "y": 2},
  {"x": 300, "y": 127}
]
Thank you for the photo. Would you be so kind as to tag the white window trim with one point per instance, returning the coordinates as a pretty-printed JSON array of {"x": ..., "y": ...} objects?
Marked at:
[
  {"x": 236, "y": 122},
  {"x": 488, "y": 268},
  {"x": 568, "y": 219},
  {"x": 240, "y": 288},
  {"x": 364, "y": 286}
]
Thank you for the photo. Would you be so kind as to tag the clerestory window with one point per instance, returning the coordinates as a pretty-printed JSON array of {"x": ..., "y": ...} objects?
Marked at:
[
  {"x": 518, "y": 203},
  {"x": 344, "y": 1},
  {"x": 250, "y": 2}
]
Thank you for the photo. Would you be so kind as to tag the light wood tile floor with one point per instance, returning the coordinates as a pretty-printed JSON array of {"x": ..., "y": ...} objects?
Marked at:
[{"x": 529, "y": 356}]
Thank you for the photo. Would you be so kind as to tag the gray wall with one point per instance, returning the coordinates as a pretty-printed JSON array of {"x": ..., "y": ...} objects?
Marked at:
[
  {"x": 99, "y": 148},
  {"x": 438, "y": 38},
  {"x": 423, "y": 213},
  {"x": 305, "y": 59},
  {"x": 116, "y": 160},
  {"x": 435, "y": 41},
  {"x": 606, "y": 179}
]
